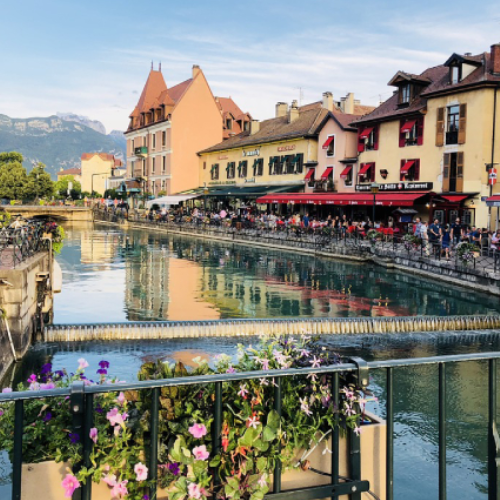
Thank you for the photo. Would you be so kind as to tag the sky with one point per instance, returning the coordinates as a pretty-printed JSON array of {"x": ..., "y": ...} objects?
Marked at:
[{"x": 93, "y": 57}]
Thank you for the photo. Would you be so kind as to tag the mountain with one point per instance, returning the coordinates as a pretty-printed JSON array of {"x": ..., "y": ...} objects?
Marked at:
[
  {"x": 84, "y": 120},
  {"x": 55, "y": 142},
  {"x": 119, "y": 137}
]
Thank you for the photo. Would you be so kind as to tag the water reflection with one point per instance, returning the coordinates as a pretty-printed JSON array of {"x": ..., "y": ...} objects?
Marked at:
[{"x": 109, "y": 275}]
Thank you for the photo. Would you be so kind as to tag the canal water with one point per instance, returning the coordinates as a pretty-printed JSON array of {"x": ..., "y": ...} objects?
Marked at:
[{"x": 111, "y": 276}]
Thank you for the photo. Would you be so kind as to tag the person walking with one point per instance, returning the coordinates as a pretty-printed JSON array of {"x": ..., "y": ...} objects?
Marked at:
[
  {"x": 456, "y": 231},
  {"x": 446, "y": 240},
  {"x": 425, "y": 238},
  {"x": 434, "y": 233}
]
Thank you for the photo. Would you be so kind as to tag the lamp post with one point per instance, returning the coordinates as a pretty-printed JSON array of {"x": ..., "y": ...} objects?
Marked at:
[
  {"x": 205, "y": 192},
  {"x": 374, "y": 189}
]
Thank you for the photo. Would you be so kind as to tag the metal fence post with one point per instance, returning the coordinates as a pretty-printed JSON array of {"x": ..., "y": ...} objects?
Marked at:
[
  {"x": 442, "y": 431},
  {"x": 17, "y": 462},
  {"x": 493, "y": 439},
  {"x": 77, "y": 408}
]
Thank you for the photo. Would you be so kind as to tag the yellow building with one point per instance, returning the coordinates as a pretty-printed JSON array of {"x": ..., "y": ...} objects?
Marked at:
[
  {"x": 75, "y": 172},
  {"x": 434, "y": 140},
  {"x": 96, "y": 170}
]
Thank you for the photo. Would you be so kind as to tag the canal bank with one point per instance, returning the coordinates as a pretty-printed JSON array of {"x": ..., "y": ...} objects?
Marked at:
[{"x": 480, "y": 280}]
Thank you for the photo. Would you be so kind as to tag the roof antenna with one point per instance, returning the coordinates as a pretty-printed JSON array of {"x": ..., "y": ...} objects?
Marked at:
[
  {"x": 159, "y": 67},
  {"x": 151, "y": 65}
]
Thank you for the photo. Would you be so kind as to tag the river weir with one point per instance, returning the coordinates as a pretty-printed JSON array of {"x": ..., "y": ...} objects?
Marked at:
[{"x": 255, "y": 327}]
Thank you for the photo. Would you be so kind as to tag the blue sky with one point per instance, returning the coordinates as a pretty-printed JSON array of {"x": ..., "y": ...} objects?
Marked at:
[{"x": 93, "y": 57}]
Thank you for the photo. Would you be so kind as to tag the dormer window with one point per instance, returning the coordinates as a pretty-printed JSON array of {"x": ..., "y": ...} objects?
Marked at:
[
  {"x": 455, "y": 74},
  {"x": 229, "y": 124},
  {"x": 405, "y": 94}
]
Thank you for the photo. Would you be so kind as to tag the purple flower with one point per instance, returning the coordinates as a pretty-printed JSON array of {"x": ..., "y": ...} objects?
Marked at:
[
  {"x": 102, "y": 371},
  {"x": 6, "y": 390},
  {"x": 47, "y": 416},
  {"x": 145, "y": 497},
  {"x": 74, "y": 437},
  {"x": 32, "y": 378},
  {"x": 46, "y": 387},
  {"x": 59, "y": 373},
  {"x": 46, "y": 369},
  {"x": 98, "y": 409},
  {"x": 174, "y": 468},
  {"x": 104, "y": 364}
]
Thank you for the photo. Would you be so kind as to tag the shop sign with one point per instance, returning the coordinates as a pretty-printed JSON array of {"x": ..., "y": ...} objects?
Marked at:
[
  {"x": 220, "y": 183},
  {"x": 398, "y": 186},
  {"x": 290, "y": 147},
  {"x": 251, "y": 152},
  {"x": 222, "y": 157},
  {"x": 252, "y": 179},
  {"x": 492, "y": 176}
]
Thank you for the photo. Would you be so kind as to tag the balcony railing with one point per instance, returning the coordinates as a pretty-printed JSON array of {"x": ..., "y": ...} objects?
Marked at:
[
  {"x": 82, "y": 401},
  {"x": 141, "y": 151}
]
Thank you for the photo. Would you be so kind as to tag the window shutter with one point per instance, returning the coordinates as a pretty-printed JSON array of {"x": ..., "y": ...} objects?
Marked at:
[
  {"x": 440, "y": 127},
  {"x": 361, "y": 142},
  {"x": 462, "y": 122},
  {"x": 420, "y": 131},
  {"x": 401, "y": 175},
  {"x": 372, "y": 173},
  {"x": 402, "y": 135},
  {"x": 460, "y": 172},
  {"x": 416, "y": 170},
  {"x": 375, "y": 137},
  {"x": 446, "y": 173}
]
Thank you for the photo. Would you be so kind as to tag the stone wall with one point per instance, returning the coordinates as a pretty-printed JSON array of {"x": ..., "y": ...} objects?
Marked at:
[{"x": 19, "y": 299}]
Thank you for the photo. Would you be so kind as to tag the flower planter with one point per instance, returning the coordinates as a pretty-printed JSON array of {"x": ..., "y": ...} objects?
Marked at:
[{"x": 43, "y": 480}]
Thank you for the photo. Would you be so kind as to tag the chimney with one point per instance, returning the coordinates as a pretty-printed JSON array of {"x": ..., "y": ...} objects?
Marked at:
[
  {"x": 348, "y": 104},
  {"x": 281, "y": 109},
  {"x": 293, "y": 112},
  {"x": 328, "y": 101},
  {"x": 196, "y": 70},
  {"x": 254, "y": 127},
  {"x": 495, "y": 59}
]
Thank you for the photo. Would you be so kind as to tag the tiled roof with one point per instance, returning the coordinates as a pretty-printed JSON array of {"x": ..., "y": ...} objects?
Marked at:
[
  {"x": 308, "y": 123},
  {"x": 177, "y": 91},
  {"x": 344, "y": 119},
  {"x": 155, "y": 85},
  {"x": 70, "y": 171},
  {"x": 361, "y": 109},
  {"x": 439, "y": 82},
  {"x": 118, "y": 163},
  {"x": 103, "y": 156}
]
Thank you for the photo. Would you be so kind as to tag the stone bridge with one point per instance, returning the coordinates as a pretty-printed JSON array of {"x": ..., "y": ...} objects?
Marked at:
[{"x": 57, "y": 213}]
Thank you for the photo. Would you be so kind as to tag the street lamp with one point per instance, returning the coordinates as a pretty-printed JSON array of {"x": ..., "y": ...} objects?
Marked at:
[{"x": 374, "y": 187}]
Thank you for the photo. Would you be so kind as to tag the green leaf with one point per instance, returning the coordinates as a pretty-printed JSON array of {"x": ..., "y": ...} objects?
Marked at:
[
  {"x": 215, "y": 462},
  {"x": 273, "y": 420},
  {"x": 199, "y": 467},
  {"x": 249, "y": 437},
  {"x": 268, "y": 433}
]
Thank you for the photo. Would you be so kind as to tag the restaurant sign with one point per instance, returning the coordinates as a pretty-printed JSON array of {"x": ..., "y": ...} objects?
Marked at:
[
  {"x": 251, "y": 152},
  {"x": 220, "y": 183},
  {"x": 290, "y": 147},
  {"x": 252, "y": 179},
  {"x": 398, "y": 186}
]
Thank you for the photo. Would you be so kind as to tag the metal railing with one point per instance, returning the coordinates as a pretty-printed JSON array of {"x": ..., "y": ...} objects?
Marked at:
[
  {"x": 485, "y": 260},
  {"x": 82, "y": 407},
  {"x": 22, "y": 242}
]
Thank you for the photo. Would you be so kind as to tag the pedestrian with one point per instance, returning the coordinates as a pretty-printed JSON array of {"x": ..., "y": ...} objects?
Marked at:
[
  {"x": 434, "y": 233},
  {"x": 457, "y": 231},
  {"x": 425, "y": 237},
  {"x": 305, "y": 220},
  {"x": 445, "y": 241},
  {"x": 417, "y": 228}
]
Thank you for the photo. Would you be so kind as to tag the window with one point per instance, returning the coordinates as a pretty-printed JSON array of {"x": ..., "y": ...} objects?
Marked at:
[
  {"x": 468, "y": 217},
  {"x": 453, "y": 172},
  {"x": 410, "y": 170},
  {"x": 154, "y": 141},
  {"x": 405, "y": 94},
  {"x": 274, "y": 165},
  {"x": 411, "y": 132},
  {"x": 246, "y": 125},
  {"x": 231, "y": 169},
  {"x": 439, "y": 215},
  {"x": 367, "y": 172},
  {"x": 299, "y": 163},
  {"x": 229, "y": 123},
  {"x": 452, "y": 124},
  {"x": 214, "y": 172},
  {"x": 242, "y": 168},
  {"x": 144, "y": 168},
  {"x": 371, "y": 140},
  {"x": 153, "y": 165},
  {"x": 164, "y": 139},
  {"x": 133, "y": 145},
  {"x": 368, "y": 138},
  {"x": 329, "y": 145},
  {"x": 347, "y": 175},
  {"x": 163, "y": 164},
  {"x": 258, "y": 167},
  {"x": 455, "y": 74}
]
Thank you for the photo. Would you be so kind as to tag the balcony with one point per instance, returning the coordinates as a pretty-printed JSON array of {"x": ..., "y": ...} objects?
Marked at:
[
  {"x": 141, "y": 151},
  {"x": 452, "y": 137}
]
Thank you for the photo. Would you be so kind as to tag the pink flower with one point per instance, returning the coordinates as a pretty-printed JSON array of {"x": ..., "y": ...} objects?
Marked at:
[
  {"x": 304, "y": 406},
  {"x": 115, "y": 417},
  {"x": 141, "y": 472},
  {"x": 6, "y": 390},
  {"x": 253, "y": 422},
  {"x": 198, "y": 430},
  {"x": 230, "y": 370},
  {"x": 265, "y": 364},
  {"x": 70, "y": 483},
  {"x": 194, "y": 491},
  {"x": 243, "y": 391},
  {"x": 119, "y": 489},
  {"x": 46, "y": 387},
  {"x": 110, "y": 479},
  {"x": 316, "y": 362},
  {"x": 121, "y": 398},
  {"x": 82, "y": 364},
  {"x": 93, "y": 434},
  {"x": 201, "y": 453},
  {"x": 357, "y": 430},
  {"x": 262, "y": 481},
  {"x": 32, "y": 378}
]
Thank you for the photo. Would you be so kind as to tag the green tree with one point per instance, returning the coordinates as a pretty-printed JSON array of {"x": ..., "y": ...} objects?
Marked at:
[
  {"x": 40, "y": 185},
  {"x": 13, "y": 177},
  {"x": 61, "y": 187}
]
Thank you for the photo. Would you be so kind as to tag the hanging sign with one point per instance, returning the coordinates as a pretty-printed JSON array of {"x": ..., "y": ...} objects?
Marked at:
[{"x": 492, "y": 176}]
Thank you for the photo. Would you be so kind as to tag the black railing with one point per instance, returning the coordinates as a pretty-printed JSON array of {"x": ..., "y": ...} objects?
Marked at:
[
  {"x": 21, "y": 240},
  {"x": 82, "y": 406}
]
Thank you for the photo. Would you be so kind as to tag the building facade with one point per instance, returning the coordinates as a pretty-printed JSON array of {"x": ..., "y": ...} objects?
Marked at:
[
  {"x": 169, "y": 126},
  {"x": 96, "y": 169},
  {"x": 437, "y": 136},
  {"x": 75, "y": 172}
]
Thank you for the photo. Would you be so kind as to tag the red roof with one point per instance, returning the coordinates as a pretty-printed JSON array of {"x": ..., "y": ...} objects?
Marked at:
[
  {"x": 177, "y": 91},
  {"x": 103, "y": 156},
  {"x": 381, "y": 199},
  {"x": 70, "y": 171},
  {"x": 155, "y": 85}
]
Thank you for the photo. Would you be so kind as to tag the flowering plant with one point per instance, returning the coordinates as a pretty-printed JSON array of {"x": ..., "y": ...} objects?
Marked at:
[
  {"x": 465, "y": 252},
  {"x": 253, "y": 437},
  {"x": 411, "y": 241},
  {"x": 372, "y": 235}
]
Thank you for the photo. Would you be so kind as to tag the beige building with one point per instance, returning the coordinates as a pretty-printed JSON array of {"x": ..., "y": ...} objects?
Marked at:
[
  {"x": 75, "y": 172},
  {"x": 96, "y": 169},
  {"x": 436, "y": 138},
  {"x": 170, "y": 125}
]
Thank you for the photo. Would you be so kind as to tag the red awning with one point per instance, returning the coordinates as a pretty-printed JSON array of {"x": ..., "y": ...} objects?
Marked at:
[
  {"x": 366, "y": 132},
  {"x": 454, "y": 198},
  {"x": 408, "y": 126},
  {"x": 493, "y": 201},
  {"x": 309, "y": 174},
  {"x": 326, "y": 173},
  {"x": 407, "y": 166},
  {"x": 328, "y": 142},
  {"x": 346, "y": 171},
  {"x": 381, "y": 199},
  {"x": 365, "y": 169}
]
